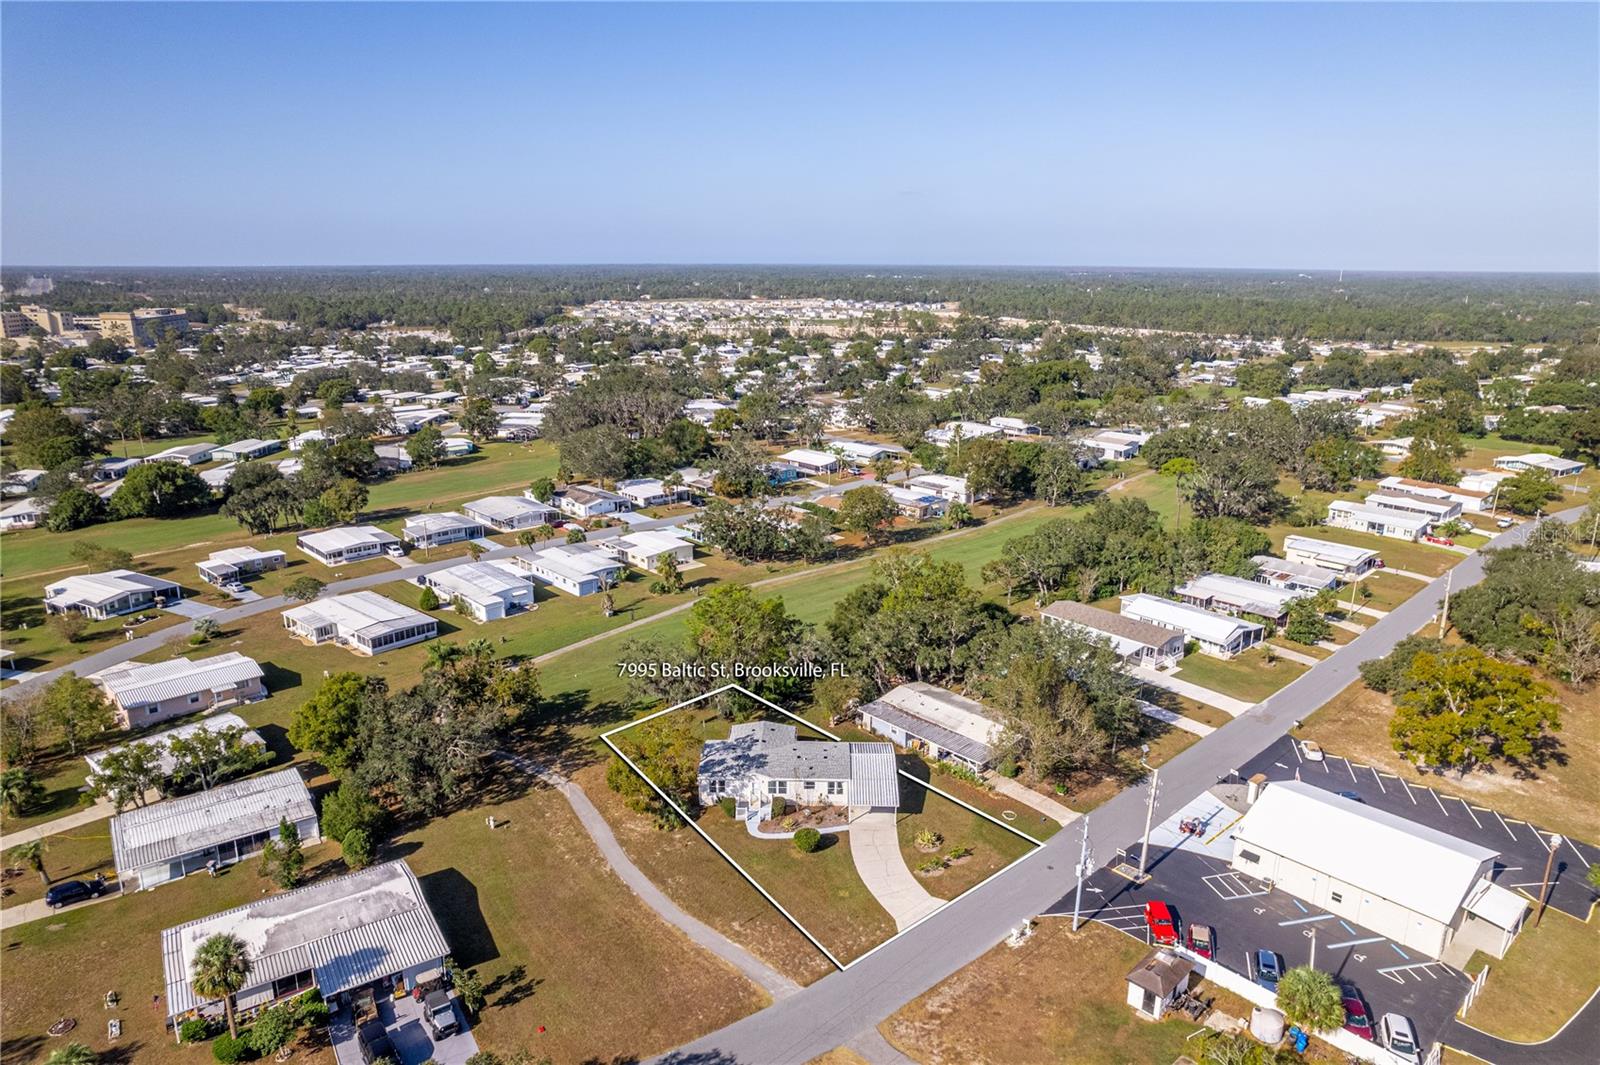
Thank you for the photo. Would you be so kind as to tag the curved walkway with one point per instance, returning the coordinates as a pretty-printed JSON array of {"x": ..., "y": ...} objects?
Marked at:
[
  {"x": 1574, "y": 1045},
  {"x": 769, "y": 979},
  {"x": 875, "y": 848}
]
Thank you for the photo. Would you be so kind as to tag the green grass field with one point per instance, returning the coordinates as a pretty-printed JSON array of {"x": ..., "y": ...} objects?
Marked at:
[{"x": 1246, "y": 676}]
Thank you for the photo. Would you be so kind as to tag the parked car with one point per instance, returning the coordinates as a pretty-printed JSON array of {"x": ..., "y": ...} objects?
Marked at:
[
  {"x": 1442, "y": 541},
  {"x": 1357, "y": 1021},
  {"x": 375, "y": 1045},
  {"x": 1312, "y": 750},
  {"x": 394, "y": 550},
  {"x": 1202, "y": 940},
  {"x": 1269, "y": 969},
  {"x": 1158, "y": 918},
  {"x": 70, "y": 891},
  {"x": 440, "y": 1014},
  {"x": 1504, "y": 523},
  {"x": 1399, "y": 1038}
]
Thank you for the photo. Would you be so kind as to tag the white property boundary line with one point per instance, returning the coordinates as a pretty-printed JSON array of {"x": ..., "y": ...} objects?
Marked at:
[{"x": 606, "y": 737}]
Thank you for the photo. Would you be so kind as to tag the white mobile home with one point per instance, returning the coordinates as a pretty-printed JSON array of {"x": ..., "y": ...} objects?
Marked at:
[
  {"x": 1554, "y": 465},
  {"x": 231, "y": 563},
  {"x": 1437, "y": 509},
  {"x": 511, "y": 513},
  {"x": 577, "y": 569},
  {"x": 169, "y": 840},
  {"x": 335, "y": 547},
  {"x": 943, "y": 485},
  {"x": 491, "y": 590},
  {"x": 588, "y": 502},
  {"x": 436, "y": 530},
  {"x": 644, "y": 550},
  {"x": 162, "y": 741},
  {"x": 1379, "y": 521},
  {"x": 1234, "y": 595},
  {"x": 365, "y": 622},
  {"x": 935, "y": 721},
  {"x": 1297, "y": 576},
  {"x": 1345, "y": 560},
  {"x": 147, "y": 693},
  {"x": 1217, "y": 634},
  {"x": 108, "y": 594},
  {"x": 1138, "y": 643}
]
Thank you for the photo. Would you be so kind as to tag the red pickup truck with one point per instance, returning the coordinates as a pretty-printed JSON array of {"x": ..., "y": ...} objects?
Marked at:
[{"x": 1158, "y": 918}]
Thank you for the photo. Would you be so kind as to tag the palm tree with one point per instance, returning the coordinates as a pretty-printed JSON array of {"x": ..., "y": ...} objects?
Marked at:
[
  {"x": 442, "y": 654},
  {"x": 1181, "y": 469},
  {"x": 219, "y": 970},
  {"x": 31, "y": 854},
  {"x": 481, "y": 647},
  {"x": 1309, "y": 998},
  {"x": 72, "y": 1054},
  {"x": 19, "y": 790}
]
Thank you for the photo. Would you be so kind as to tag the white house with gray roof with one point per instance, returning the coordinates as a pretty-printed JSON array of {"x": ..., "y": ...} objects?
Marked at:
[
  {"x": 369, "y": 927},
  {"x": 761, "y": 760},
  {"x": 169, "y": 840},
  {"x": 511, "y": 513}
]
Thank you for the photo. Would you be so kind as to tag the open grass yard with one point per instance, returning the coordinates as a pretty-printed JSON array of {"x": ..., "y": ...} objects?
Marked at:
[
  {"x": 1189, "y": 708},
  {"x": 991, "y": 847},
  {"x": 62, "y": 777},
  {"x": 494, "y": 469},
  {"x": 560, "y": 941},
  {"x": 1558, "y": 958},
  {"x": 1419, "y": 557},
  {"x": 1559, "y": 797},
  {"x": 1244, "y": 676},
  {"x": 1388, "y": 590},
  {"x": 1060, "y": 997},
  {"x": 1287, "y": 644},
  {"x": 64, "y": 965},
  {"x": 821, "y": 889},
  {"x": 691, "y": 873},
  {"x": 75, "y": 855}
]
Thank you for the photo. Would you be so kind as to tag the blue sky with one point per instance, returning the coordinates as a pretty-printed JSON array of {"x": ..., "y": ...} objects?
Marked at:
[{"x": 1435, "y": 136}]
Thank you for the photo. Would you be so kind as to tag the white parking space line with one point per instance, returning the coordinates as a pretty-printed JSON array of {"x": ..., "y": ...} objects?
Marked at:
[
  {"x": 1468, "y": 807},
  {"x": 1379, "y": 778},
  {"x": 1402, "y": 973},
  {"x": 1503, "y": 824},
  {"x": 1436, "y": 799},
  {"x": 1354, "y": 943},
  {"x": 1351, "y": 770},
  {"x": 1231, "y": 887},
  {"x": 1295, "y": 747},
  {"x": 1307, "y": 920},
  {"x": 1575, "y": 850},
  {"x": 1410, "y": 796}
]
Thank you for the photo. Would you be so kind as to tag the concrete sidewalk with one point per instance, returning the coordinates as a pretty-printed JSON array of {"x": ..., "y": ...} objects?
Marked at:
[
  {"x": 875, "y": 849},
  {"x": 1226, "y": 703},
  {"x": 1057, "y": 812},
  {"x": 1294, "y": 656},
  {"x": 1175, "y": 719},
  {"x": 88, "y": 816}
]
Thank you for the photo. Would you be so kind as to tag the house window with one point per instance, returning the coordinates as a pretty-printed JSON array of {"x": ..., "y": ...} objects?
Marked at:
[
  {"x": 1335, "y": 896},
  {"x": 1249, "y": 856},
  {"x": 152, "y": 710},
  {"x": 811, "y": 785},
  {"x": 777, "y": 787},
  {"x": 195, "y": 698},
  {"x": 716, "y": 787},
  {"x": 835, "y": 787}
]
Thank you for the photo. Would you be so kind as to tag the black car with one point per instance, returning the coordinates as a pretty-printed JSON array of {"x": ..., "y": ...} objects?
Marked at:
[
  {"x": 69, "y": 891},
  {"x": 375, "y": 1045}
]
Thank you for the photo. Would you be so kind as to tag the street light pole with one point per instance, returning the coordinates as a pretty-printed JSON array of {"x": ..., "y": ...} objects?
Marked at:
[
  {"x": 1149, "y": 811},
  {"x": 1083, "y": 871},
  {"x": 1544, "y": 892},
  {"x": 1313, "y": 946}
]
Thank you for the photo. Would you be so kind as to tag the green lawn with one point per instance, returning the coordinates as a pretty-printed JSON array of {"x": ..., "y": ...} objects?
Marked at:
[
  {"x": 75, "y": 855},
  {"x": 993, "y": 848},
  {"x": 1246, "y": 676},
  {"x": 1417, "y": 557}
]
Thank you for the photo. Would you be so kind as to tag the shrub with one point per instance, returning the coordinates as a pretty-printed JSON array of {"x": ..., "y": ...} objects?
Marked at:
[
  {"x": 357, "y": 848},
  {"x": 780, "y": 806},
  {"x": 194, "y": 1030},
  {"x": 930, "y": 865},
  {"x": 1008, "y": 767},
  {"x": 958, "y": 852},
  {"x": 961, "y": 772},
  {"x": 928, "y": 840},
  {"x": 273, "y": 1029},
  {"x": 428, "y": 600},
  {"x": 807, "y": 840},
  {"x": 728, "y": 807},
  {"x": 229, "y": 1050},
  {"x": 70, "y": 625}
]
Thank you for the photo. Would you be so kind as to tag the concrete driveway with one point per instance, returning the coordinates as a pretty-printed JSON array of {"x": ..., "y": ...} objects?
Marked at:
[
  {"x": 875, "y": 848},
  {"x": 402, "y": 1020}
]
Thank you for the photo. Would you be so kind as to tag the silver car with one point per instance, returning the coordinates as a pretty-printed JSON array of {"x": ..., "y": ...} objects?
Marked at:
[{"x": 1399, "y": 1038}]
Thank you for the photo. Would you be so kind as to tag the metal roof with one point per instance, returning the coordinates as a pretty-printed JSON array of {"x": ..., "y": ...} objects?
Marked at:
[
  {"x": 348, "y": 931},
  {"x": 506, "y": 508},
  {"x": 927, "y": 730},
  {"x": 1127, "y": 634},
  {"x": 161, "y": 740},
  {"x": 1197, "y": 622},
  {"x": 874, "y": 776},
  {"x": 96, "y": 588},
  {"x": 345, "y": 537},
  {"x": 944, "y": 708},
  {"x": 480, "y": 582},
  {"x": 137, "y": 683},
  {"x": 357, "y": 612},
  {"x": 1343, "y": 554},
  {"x": 1413, "y": 865},
  {"x": 166, "y": 830}
]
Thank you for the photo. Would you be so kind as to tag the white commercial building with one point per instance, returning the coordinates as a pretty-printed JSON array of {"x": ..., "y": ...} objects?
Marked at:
[
  {"x": 936, "y": 722},
  {"x": 1217, "y": 634},
  {"x": 1425, "y": 890},
  {"x": 169, "y": 840},
  {"x": 365, "y": 622},
  {"x": 1360, "y": 517},
  {"x": 335, "y": 547},
  {"x": 491, "y": 590}
]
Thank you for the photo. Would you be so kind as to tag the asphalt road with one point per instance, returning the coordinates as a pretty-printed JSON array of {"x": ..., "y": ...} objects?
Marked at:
[{"x": 832, "y": 1011}]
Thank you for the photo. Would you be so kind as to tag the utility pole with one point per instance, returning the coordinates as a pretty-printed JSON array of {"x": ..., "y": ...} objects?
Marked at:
[
  {"x": 1313, "y": 946},
  {"x": 1084, "y": 870},
  {"x": 1149, "y": 811},
  {"x": 1544, "y": 892},
  {"x": 1444, "y": 613}
]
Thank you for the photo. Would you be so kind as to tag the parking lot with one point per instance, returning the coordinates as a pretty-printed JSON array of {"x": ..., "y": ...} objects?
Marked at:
[
  {"x": 1191, "y": 875},
  {"x": 1523, "y": 849}
]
